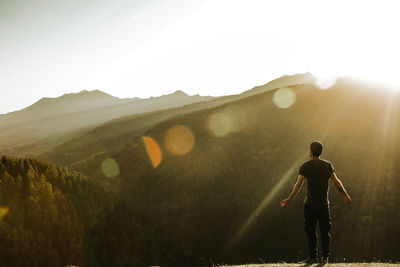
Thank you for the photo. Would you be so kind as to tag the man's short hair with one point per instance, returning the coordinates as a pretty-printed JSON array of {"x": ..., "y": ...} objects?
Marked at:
[{"x": 316, "y": 148}]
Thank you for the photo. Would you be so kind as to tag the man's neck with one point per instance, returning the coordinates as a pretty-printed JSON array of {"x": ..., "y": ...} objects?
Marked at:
[{"x": 315, "y": 157}]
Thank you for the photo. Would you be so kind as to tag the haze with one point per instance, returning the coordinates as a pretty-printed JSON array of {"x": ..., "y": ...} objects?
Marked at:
[{"x": 151, "y": 48}]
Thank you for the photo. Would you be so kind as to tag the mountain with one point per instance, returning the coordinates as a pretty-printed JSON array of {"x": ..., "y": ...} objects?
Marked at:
[
  {"x": 200, "y": 185},
  {"x": 52, "y": 121},
  {"x": 205, "y": 180},
  {"x": 123, "y": 128},
  {"x": 74, "y": 102},
  {"x": 35, "y": 128}
]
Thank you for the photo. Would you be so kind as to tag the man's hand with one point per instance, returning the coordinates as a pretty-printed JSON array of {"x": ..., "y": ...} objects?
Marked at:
[
  {"x": 347, "y": 199},
  {"x": 340, "y": 187},
  {"x": 296, "y": 188},
  {"x": 285, "y": 202}
]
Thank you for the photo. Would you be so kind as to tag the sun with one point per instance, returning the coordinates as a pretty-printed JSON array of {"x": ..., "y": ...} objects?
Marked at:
[
  {"x": 393, "y": 88},
  {"x": 388, "y": 85}
]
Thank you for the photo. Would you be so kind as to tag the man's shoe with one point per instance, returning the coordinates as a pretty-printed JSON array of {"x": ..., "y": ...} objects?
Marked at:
[
  {"x": 324, "y": 260},
  {"x": 310, "y": 261}
]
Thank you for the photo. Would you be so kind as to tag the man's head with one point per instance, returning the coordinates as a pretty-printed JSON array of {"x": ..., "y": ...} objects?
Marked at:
[{"x": 316, "y": 149}]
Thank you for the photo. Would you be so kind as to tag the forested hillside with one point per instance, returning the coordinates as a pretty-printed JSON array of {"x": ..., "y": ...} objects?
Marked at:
[
  {"x": 202, "y": 186},
  {"x": 205, "y": 185},
  {"x": 46, "y": 214}
]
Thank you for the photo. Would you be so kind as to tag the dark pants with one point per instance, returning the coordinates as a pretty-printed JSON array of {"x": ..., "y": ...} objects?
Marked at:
[{"x": 311, "y": 216}]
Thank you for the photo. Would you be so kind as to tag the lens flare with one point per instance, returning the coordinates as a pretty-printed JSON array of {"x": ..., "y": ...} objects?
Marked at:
[
  {"x": 217, "y": 125},
  {"x": 110, "y": 167},
  {"x": 237, "y": 118},
  {"x": 3, "y": 211},
  {"x": 229, "y": 120},
  {"x": 284, "y": 97},
  {"x": 153, "y": 150},
  {"x": 179, "y": 140}
]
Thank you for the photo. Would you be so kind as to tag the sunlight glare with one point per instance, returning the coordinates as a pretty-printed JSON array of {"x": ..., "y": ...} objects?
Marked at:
[
  {"x": 110, "y": 167},
  {"x": 179, "y": 140},
  {"x": 217, "y": 125},
  {"x": 238, "y": 117},
  {"x": 3, "y": 211},
  {"x": 153, "y": 150},
  {"x": 229, "y": 120},
  {"x": 284, "y": 97}
]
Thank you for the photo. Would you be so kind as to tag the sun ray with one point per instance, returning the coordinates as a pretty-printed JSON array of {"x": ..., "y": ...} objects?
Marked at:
[
  {"x": 265, "y": 202},
  {"x": 388, "y": 116}
]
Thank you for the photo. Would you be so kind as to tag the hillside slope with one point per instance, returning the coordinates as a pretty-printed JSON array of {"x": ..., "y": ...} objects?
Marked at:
[
  {"x": 202, "y": 183},
  {"x": 212, "y": 190}
]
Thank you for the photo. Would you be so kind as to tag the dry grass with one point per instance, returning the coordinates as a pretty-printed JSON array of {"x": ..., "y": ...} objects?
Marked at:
[{"x": 373, "y": 264}]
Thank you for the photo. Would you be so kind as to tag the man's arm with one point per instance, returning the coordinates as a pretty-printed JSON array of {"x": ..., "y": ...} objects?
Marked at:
[
  {"x": 341, "y": 188},
  {"x": 296, "y": 188}
]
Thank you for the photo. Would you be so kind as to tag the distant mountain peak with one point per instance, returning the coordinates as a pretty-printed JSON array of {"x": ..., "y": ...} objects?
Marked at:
[
  {"x": 71, "y": 101},
  {"x": 95, "y": 91},
  {"x": 179, "y": 93}
]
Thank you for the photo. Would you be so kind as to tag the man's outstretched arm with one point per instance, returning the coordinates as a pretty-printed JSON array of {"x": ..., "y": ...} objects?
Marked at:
[
  {"x": 296, "y": 188},
  {"x": 341, "y": 188}
]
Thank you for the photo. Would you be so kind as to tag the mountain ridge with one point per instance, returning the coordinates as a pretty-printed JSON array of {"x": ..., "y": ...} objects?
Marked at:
[
  {"x": 65, "y": 115},
  {"x": 92, "y": 93},
  {"x": 51, "y": 117}
]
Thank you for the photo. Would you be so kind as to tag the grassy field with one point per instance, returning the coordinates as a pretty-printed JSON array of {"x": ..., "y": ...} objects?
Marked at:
[{"x": 373, "y": 264}]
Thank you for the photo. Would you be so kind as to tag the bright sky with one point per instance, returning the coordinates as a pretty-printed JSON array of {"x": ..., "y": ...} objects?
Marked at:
[{"x": 215, "y": 47}]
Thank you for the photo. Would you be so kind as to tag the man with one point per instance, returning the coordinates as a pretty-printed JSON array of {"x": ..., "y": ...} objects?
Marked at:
[{"x": 317, "y": 172}]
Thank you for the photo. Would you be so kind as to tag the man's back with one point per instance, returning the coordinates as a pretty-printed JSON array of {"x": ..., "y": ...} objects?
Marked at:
[{"x": 317, "y": 173}]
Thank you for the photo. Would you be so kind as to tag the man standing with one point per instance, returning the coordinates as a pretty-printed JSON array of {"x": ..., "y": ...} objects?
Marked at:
[{"x": 317, "y": 173}]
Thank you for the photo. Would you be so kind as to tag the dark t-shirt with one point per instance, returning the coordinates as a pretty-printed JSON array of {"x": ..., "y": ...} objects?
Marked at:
[{"x": 317, "y": 173}]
